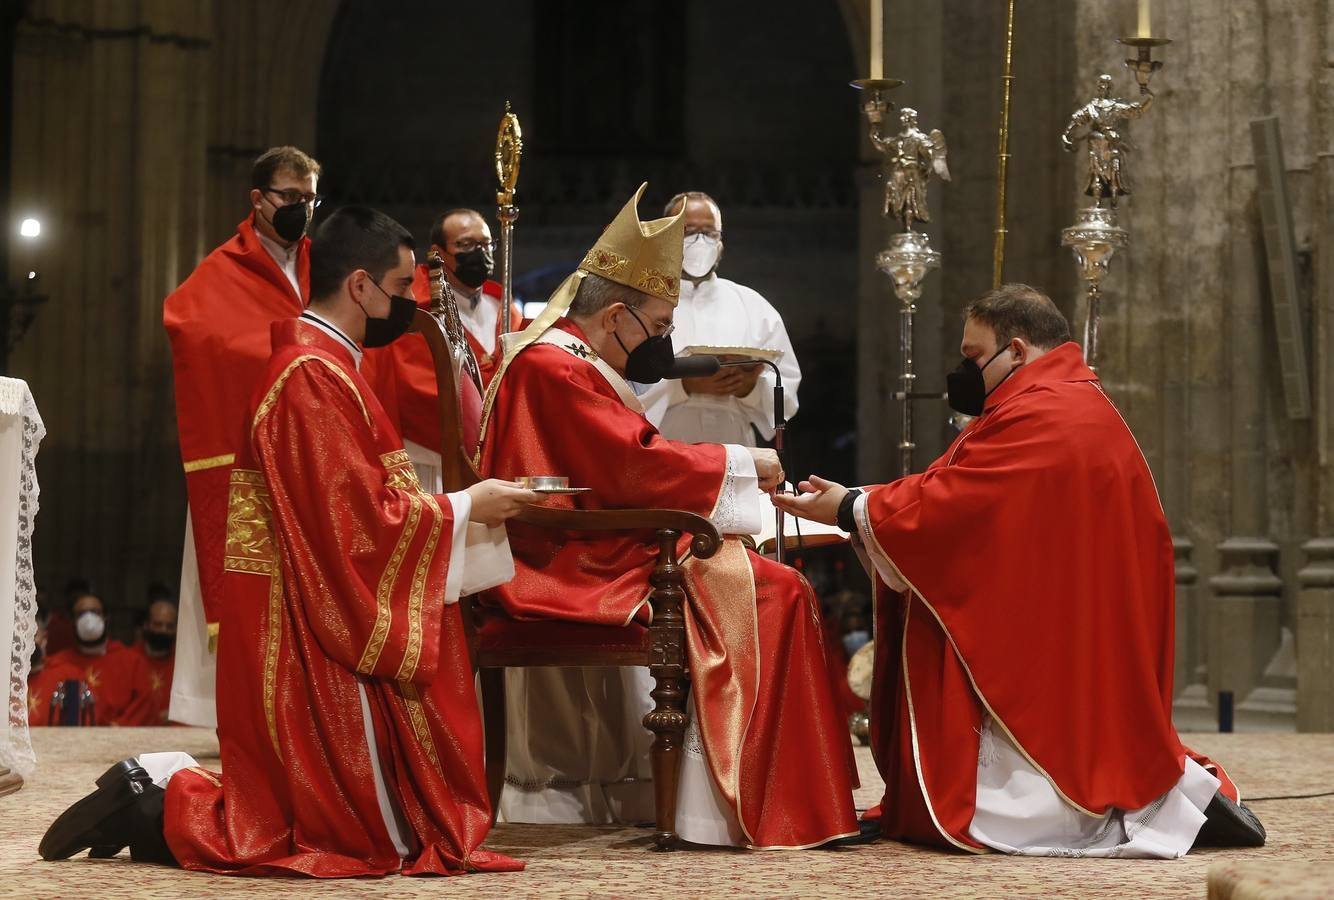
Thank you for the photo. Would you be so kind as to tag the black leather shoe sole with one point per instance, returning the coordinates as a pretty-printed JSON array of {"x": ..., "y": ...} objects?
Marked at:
[
  {"x": 868, "y": 833},
  {"x": 1229, "y": 824},
  {"x": 95, "y": 822}
]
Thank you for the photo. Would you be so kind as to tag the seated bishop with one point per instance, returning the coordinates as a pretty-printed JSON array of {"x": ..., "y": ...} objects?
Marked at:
[
  {"x": 767, "y": 762},
  {"x": 348, "y": 725}
]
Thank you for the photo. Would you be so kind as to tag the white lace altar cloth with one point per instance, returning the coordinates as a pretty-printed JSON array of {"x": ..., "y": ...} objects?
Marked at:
[{"x": 21, "y": 431}]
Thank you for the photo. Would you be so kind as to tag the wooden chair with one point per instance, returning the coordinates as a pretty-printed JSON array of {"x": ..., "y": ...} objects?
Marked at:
[{"x": 498, "y": 642}]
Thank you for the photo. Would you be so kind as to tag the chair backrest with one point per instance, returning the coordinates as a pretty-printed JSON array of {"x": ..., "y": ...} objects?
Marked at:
[{"x": 460, "y": 406}]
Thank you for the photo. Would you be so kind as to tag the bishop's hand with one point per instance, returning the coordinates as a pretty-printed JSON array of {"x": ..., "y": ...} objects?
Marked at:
[
  {"x": 819, "y": 500},
  {"x": 494, "y": 501},
  {"x": 767, "y": 467}
]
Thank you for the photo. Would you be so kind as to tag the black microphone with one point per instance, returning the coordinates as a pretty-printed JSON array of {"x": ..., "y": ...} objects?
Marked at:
[{"x": 693, "y": 366}]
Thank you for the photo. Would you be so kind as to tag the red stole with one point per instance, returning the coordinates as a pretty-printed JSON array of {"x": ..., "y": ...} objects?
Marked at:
[
  {"x": 218, "y": 323},
  {"x": 336, "y": 569}
]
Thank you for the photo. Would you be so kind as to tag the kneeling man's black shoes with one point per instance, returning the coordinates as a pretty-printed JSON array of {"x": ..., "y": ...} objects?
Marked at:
[
  {"x": 124, "y": 811},
  {"x": 1229, "y": 824}
]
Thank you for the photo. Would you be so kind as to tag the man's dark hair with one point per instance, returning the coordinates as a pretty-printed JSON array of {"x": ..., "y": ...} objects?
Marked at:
[
  {"x": 270, "y": 161},
  {"x": 1019, "y": 311},
  {"x": 678, "y": 202},
  {"x": 354, "y": 237},
  {"x": 438, "y": 229},
  {"x": 159, "y": 590}
]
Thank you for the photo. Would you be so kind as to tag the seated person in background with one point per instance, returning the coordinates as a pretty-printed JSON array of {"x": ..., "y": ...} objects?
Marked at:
[
  {"x": 116, "y": 675},
  {"x": 768, "y": 757},
  {"x": 45, "y": 677},
  {"x": 60, "y": 628},
  {"x": 1022, "y": 696},
  {"x": 159, "y": 651}
]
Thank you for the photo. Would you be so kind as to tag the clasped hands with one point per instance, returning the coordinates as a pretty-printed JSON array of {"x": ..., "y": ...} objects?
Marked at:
[{"x": 729, "y": 381}]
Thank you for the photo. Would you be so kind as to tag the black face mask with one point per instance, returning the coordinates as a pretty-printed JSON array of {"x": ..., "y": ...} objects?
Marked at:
[
  {"x": 474, "y": 267},
  {"x": 652, "y": 360},
  {"x": 380, "y": 332},
  {"x": 966, "y": 387},
  {"x": 159, "y": 642},
  {"x": 290, "y": 221}
]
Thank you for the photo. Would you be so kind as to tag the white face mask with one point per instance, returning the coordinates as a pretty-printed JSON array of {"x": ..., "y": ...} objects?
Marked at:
[
  {"x": 90, "y": 626},
  {"x": 700, "y": 255}
]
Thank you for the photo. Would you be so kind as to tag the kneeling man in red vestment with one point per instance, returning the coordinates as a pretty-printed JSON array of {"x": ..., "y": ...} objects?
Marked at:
[
  {"x": 347, "y": 719},
  {"x": 1022, "y": 698},
  {"x": 767, "y": 761}
]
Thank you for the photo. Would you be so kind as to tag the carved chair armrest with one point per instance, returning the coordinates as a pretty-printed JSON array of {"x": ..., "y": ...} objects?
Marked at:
[{"x": 704, "y": 542}]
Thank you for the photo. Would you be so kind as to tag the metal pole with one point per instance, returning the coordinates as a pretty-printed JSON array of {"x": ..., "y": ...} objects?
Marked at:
[
  {"x": 1091, "y": 324},
  {"x": 906, "y": 379},
  {"x": 1003, "y": 154}
]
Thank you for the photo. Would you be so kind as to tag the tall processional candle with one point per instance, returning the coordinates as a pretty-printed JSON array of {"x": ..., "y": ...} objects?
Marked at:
[{"x": 878, "y": 37}]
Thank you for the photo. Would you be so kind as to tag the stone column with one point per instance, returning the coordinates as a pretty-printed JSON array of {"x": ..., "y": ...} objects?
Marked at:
[
  {"x": 109, "y": 105},
  {"x": 1187, "y": 643},
  {"x": 1315, "y": 638}
]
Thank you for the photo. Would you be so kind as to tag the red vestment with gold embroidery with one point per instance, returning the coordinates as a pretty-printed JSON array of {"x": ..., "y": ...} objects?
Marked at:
[
  {"x": 1041, "y": 593},
  {"x": 338, "y": 659},
  {"x": 776, "y": 745}
]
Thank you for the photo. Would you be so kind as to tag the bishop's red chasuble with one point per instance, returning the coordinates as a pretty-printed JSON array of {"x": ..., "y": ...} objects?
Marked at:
[
  {"x": 775, "y": 743},
  {"x": 349, "y": 706},
  {"x": 1041, "y": 581},
  {"x": 218, "y": 322}
]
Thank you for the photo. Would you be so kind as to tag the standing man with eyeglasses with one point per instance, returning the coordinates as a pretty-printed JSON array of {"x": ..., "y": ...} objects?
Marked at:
[
  {"x": 737, "y": 402},
  {"x": 218, "y": 323},
  {"x": 463, "y": 240}
]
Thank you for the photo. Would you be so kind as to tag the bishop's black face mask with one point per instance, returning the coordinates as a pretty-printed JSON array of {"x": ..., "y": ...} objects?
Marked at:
[
  {"x": 290, "y": 222},
  {"x": 652, "y": 360},
  {"x": 380, "y": 332},
  {"x": 474, "y": 267},
  {"x": 967, "y": 389}
]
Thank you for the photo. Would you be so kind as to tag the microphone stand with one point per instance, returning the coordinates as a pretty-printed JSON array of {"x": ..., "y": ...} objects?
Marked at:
[{"x": 780, "y": 427}]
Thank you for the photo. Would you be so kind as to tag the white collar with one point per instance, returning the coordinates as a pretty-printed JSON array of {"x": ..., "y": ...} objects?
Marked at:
[
  {"x": 335, "y": 332},
  {"x": 276, "y": 250}
]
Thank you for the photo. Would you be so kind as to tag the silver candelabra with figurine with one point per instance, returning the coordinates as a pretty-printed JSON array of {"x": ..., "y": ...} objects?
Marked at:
[
  {"x": 1101, "y": 124},
  {"x": 911, "y": 157}
]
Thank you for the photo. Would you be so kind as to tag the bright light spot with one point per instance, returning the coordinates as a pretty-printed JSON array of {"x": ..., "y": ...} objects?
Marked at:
[
  {"x": 30, "y": 228},
  {"x": 32, "y": 275}
]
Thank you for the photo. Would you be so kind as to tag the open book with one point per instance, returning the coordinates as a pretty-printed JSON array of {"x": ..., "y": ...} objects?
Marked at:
[
  {"x": 730, "y": 354},
  {"x": 797, "y": 533}
]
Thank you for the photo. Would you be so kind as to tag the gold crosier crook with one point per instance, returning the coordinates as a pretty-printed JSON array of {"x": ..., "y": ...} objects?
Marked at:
[
  {"x": 509, "y": 150},
  {"x": 1003, "y": 153}
]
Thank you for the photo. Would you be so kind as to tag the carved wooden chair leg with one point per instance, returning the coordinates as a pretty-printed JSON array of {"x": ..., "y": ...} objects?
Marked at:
[
  {"x": 493, "y": 723},
  {"x": 667, "y": 720}
]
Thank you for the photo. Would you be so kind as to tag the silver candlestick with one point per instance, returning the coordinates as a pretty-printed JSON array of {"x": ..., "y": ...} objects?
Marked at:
[
  {"x": 911, "y": 157},
  {"x": 1095, "y": 237}
]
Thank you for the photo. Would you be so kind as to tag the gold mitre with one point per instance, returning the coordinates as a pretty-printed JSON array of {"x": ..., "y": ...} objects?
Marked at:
[{"x": 643, "y": 255}]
